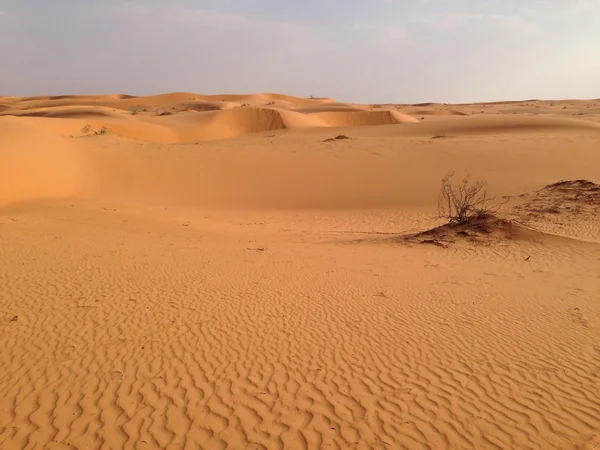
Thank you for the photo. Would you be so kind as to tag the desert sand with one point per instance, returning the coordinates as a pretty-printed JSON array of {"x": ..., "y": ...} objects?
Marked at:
[{"x": 184, "y": 271}]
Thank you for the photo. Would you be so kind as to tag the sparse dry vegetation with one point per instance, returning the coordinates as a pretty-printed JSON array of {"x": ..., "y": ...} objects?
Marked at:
[
  {"x": 563, "y": 204},
  {"x": 464, "y": 200},
  {"x": 138, "y": 109},
  {"x": 88, "y": 129}
]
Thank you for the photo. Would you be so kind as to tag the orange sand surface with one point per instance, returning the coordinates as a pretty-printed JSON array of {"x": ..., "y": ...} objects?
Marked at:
[{"x": 184, "y": 271}]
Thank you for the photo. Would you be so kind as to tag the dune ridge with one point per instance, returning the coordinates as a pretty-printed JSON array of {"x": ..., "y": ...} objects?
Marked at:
[
  {"x": 188, "y": 117},
  {"x": 191, "y": 117}
]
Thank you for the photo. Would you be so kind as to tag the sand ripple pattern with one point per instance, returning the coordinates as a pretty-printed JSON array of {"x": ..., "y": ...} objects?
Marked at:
[{"x": 163, "y": 336}]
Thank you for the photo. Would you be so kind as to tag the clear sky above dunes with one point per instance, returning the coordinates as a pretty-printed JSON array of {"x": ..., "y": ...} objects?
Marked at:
[{"x": 352, "y": 50}]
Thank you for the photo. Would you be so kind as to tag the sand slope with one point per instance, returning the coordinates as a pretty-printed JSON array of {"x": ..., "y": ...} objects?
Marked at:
[
  {"x": 229, "y": 276},
  {"x": 35, "y": 163},
  {"x": 197, "y": 117}
]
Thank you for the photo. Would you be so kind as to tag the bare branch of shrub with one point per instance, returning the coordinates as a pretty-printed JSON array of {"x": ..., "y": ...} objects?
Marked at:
[{"x": 464, "y": 200}]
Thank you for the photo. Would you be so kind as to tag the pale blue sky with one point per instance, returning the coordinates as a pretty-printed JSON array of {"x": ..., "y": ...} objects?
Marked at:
[{"x": 352, "y": 50}]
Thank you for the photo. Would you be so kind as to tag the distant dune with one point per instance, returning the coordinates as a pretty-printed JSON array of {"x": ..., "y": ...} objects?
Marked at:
[
  {"x": 186, "y": 117},
  {"x": 175, "y": 116}
]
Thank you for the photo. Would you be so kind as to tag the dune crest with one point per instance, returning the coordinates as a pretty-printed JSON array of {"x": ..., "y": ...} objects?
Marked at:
[{"x": 187, "y": 117}]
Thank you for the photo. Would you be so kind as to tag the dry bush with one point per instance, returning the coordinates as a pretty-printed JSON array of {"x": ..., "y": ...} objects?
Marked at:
[
  {"x": 464, "y": 200},
  {"x": 138, "y": 109},
  {"x": 89, "y": 130}
]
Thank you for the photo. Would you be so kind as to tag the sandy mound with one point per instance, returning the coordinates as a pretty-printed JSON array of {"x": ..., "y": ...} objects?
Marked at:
[
  {"x": 564, "y": 209},
  {"x": 568, "y": 208},
  {"x": 484, "y": 229},
  {"x": 569, "y": 196}
]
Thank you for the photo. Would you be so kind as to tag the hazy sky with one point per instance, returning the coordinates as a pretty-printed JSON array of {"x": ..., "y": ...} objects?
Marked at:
[{"x": 351, "y": 50}]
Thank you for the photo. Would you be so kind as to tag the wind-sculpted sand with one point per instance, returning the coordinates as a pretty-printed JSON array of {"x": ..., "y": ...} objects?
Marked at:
[{"x": 186, "y": 271}]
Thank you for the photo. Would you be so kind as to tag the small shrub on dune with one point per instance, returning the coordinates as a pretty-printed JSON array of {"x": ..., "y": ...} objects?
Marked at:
[
  {"x": 464, "y": 200},
  {"x": 138, "y": 109},
  {"x": 89, "y": 130}
]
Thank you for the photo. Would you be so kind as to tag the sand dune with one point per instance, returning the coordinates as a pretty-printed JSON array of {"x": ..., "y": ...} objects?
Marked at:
[
  {"x": 500, "y": 125},
  {"x": 122, "y": 101},
  {"x": 364, "y": 118},
  {"x": 66, "y": 112},
  {"x": 331, "y": 108},
  {"x": 185, "y": 117},
  {"x": 36, "y": 164},
  {"x": 439, "y": 112},
  {"x": 201, "y": 120},
  {"x": 217, "y": 272}
]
